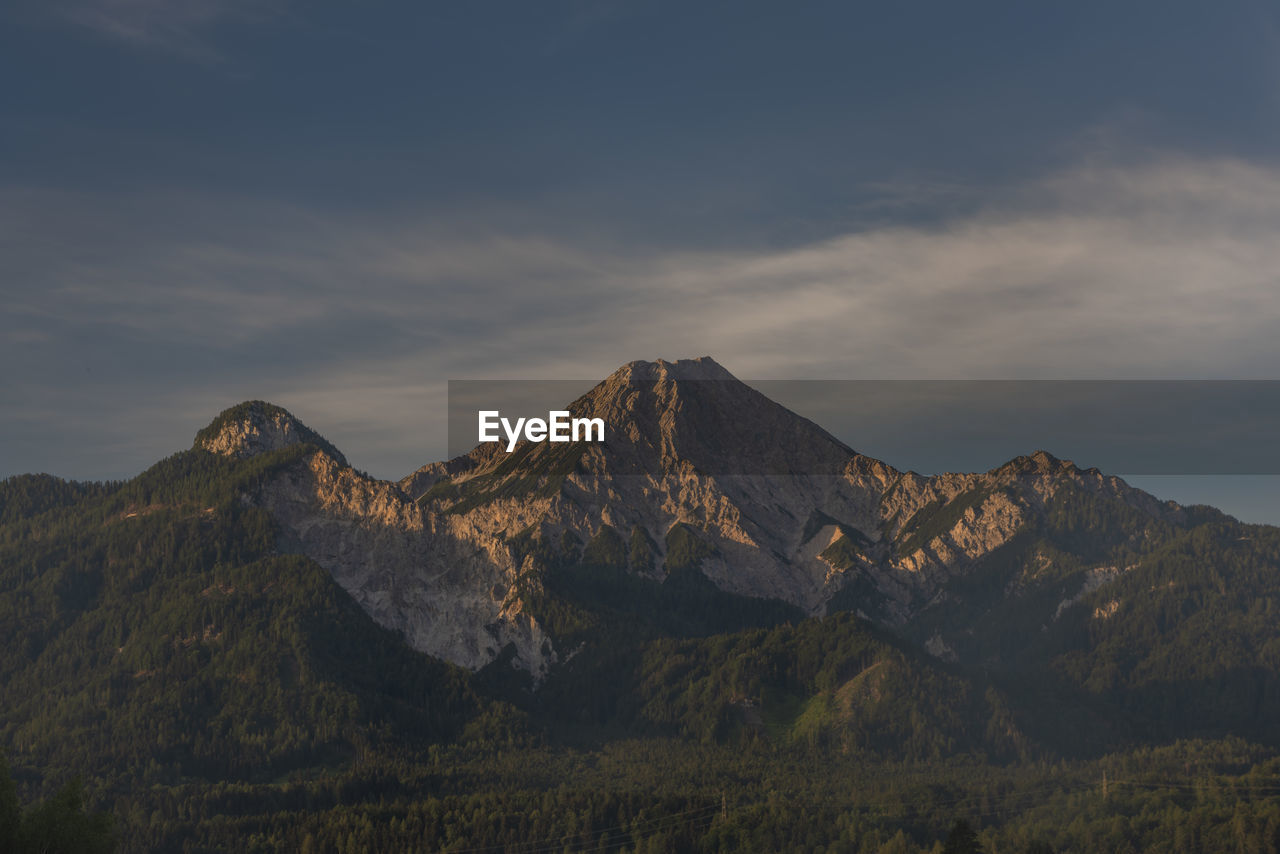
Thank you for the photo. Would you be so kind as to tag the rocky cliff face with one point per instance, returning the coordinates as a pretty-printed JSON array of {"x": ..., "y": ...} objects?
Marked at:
[
  {"x": 449, "y": 585},
  {"x": 695, "y": 461}
]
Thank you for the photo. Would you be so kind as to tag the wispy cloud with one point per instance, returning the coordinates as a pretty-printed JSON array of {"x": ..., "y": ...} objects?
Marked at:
[
  {"x": 182, "y": 27},
  {"x": 1167, "y": 270}
]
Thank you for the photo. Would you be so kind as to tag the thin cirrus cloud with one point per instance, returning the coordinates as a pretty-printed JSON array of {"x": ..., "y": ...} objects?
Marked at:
[
  {"x": 132, "y": 331},
  {"x": 178, "y": 27}
]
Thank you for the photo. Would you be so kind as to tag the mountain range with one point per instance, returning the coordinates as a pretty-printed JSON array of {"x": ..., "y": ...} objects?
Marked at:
[{"x": 255, "y": 611}]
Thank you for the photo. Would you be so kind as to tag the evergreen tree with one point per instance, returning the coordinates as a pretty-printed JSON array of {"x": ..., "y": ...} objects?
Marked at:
[{"x": 962, "y": 839}]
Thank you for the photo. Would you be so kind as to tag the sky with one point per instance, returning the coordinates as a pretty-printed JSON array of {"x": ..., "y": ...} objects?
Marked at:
[{"x": 340, "y": 207}]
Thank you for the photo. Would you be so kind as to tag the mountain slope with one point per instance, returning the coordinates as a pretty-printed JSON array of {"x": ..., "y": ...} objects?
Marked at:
[{"x": 153, "y": 633}]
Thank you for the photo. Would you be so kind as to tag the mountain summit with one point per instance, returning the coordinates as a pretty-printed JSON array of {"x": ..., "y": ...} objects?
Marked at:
[
  {"x": 664, "y": 417},
  {"x": 693, "y": 412},
  {"x": 256, "y": 427}
]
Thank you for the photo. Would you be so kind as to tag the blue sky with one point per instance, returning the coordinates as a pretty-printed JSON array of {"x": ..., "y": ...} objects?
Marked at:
[{"x": 339, "y": 207}]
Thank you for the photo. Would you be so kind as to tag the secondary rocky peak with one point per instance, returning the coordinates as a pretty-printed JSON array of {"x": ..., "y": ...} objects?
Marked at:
[
  {"x": 1040, "y": 462},
  {"x": 257, "y": 427}
]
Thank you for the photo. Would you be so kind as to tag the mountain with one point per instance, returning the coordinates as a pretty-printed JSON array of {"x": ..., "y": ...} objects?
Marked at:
[
  {"x": 780, "y": 508},
  {"x": 252, "y": 639},
  {"x": 706, "y": 487}
]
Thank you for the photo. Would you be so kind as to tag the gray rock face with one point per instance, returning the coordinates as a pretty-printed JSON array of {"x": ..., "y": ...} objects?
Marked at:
[
  {"x": 780, "y": 507},
  {"x": 447, "y": 584}
]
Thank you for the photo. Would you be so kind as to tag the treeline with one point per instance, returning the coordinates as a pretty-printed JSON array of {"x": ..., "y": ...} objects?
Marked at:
[{"x": 669, "y": 795}]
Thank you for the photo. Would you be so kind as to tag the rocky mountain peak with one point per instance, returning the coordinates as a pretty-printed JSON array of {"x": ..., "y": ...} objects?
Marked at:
[
  {"x": 1039, "y": 463},
  {"x": 661, "y": 370},
  {"x": 664, "y": 413},
  {"x": 257, "y": 427}
]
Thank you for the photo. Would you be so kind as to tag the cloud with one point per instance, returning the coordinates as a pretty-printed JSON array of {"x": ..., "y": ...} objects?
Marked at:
[
  {"x": 1163, "y": 270},
  {"x": 181, "y": 27}
]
